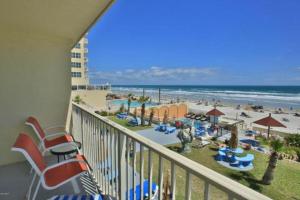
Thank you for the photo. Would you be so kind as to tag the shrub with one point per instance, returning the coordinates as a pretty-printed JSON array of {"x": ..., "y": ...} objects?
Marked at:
[
  {"x": 122, "y": 108},
  {"x": 102, "y": 113},
  {"x": 77, "y": 99},
  {"x": 293, "y": 140}
]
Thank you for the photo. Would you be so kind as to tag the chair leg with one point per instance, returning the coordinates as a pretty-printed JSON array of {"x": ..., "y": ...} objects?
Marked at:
[
  {"x": 43, "y": 152},
  {"x": 28, "y": 194},
  {"x": 75, "y": 186},
  {"x": 36, "y": 190}
]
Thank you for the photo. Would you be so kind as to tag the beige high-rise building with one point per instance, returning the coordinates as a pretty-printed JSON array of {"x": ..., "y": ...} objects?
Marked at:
[
  {"x": 91, "y": 94},
  {"x": 79, "y": 61}
]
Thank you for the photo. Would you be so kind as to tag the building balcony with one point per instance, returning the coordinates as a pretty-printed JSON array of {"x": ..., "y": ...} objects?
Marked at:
[
  {"x": 91, "y": 87},
  {"x": 121, "y": 160}
]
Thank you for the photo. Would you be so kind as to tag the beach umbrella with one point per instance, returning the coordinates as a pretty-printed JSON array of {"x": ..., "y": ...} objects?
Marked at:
[
  {"x": 269, "y": 122},
  {"x": 214, "y": 112}
]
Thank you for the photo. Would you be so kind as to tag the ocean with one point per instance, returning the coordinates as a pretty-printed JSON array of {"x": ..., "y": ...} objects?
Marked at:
[{"x": 268, "y": 96}]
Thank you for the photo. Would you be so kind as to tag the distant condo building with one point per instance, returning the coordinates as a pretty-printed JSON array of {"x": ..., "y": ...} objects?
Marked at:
[
  {"x": 91, "y": 94},
  {"x": 79, "y": 60}
]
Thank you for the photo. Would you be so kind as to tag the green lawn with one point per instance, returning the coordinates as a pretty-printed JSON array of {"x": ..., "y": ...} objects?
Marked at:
[
  {"x": 285, "y": 185},
  {"x": 124, "y": 123}
]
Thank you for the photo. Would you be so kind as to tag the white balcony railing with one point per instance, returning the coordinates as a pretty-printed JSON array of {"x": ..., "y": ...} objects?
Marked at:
[
  {"x": 121, "y": 159},
  {"x": 91, "y": 87}
]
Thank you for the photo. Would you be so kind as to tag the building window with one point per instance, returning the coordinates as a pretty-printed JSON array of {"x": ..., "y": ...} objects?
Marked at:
[
  {"x": 77, "y": 46},
  {"x": 76, "y": 64},
  {"x": 76, "y": 74},
  {"x": 75, "y": 55}
]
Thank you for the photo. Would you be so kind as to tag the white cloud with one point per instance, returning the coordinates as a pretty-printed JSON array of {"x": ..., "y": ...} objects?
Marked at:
[{"x": 154, "y": 74}]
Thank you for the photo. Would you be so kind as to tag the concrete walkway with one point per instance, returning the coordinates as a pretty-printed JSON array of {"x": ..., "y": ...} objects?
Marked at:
[{"x": 160, "y": 137}]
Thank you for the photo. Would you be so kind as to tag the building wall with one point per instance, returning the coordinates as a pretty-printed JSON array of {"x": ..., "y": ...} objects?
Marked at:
[
  {"x": 82, "y": 50},
  {"x": 34, "y": 80}
]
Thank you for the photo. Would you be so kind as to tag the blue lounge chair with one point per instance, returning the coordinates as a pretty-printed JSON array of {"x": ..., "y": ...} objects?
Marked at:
[
  {"x": 135, "y": 122},
  {"x": 161, "y": 128},
  {"x": 245, "y": 161},
  {"x": 122, "y": 115},
  {"x": 170, "y": 129},
  {"x": 221, "y": 155},
  {"x": 146, "y": 194},
  {"x": 199, "y": 132},
  {"x": 224, "y": 149}
]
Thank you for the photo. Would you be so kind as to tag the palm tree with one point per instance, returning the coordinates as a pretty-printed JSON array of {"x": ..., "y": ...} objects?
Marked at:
[
  {"x": 151, "y": 116},
  {"x": 77, "y": 99},
  {"x": 143, "y": 100},
  {"x": 233, "y": 142},
  {"x": 165, "y": 119},
  {"x": 276, "y": 146},
  {"x": 129, "y": 99},
  {"x": 135, "y": 113},
  {"x": 122, "y": 108}
]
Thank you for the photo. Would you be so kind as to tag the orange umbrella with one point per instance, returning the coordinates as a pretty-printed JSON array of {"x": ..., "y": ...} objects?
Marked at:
[{"x": 269, "y": 122}]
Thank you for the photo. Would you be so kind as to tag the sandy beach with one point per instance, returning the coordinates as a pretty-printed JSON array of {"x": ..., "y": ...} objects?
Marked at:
[
  {"x": 293, "y": 124},
  {"x": 270, "y": 98}
]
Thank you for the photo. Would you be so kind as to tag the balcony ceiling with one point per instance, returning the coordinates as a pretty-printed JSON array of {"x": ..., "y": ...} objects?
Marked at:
[{"x": 65, "y": 19}]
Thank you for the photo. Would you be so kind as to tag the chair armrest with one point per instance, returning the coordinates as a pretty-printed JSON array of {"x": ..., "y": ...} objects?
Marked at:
[
  {"x": 62, "y": 163},
  {"x": 64, "y": 144},
  {"x": 55, "y": 129},
  {"x": 53, "y": 135}
]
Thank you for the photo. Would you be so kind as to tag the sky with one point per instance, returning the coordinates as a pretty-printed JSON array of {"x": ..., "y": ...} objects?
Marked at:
[{"x": 212, "y": 42}]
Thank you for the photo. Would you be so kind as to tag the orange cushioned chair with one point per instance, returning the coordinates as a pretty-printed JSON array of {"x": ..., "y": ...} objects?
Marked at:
[
  {"x": 51, "y": 177},
  {"x": 50, "y": 141}
]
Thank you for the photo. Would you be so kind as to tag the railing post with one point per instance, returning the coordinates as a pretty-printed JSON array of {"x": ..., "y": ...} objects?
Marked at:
[
  {"x": 150, "y": 173},
  {"x": 161, "y": 177},
  {"x": 206, "y": 191},
  {"x": 81, "y": 119},
  {"x": 173, "y": 180},
  {"x": 141, "y": 172},
  {"x": 188, "y": 186},
  {"x": 121, "y": 164}
]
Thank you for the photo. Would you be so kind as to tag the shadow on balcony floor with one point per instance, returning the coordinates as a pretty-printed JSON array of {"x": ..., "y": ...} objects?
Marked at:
[{"x": 15, "y": 180}]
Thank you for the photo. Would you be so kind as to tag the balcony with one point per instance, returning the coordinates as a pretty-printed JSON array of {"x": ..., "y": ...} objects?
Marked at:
[
  {"x": 121, "y": 160},
  {"x": 37, "y": 82},
  {"x": 91, "y": 87}
]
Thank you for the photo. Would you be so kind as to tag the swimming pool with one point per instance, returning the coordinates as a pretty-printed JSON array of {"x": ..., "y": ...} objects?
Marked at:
[{"x": 134, "y": 104}]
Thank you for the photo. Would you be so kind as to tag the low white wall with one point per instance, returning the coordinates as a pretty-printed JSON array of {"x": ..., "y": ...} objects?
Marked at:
[{"x": 93, "y": 98}]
